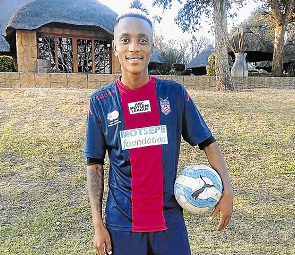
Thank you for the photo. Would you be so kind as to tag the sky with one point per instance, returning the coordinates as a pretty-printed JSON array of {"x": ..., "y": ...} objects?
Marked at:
[{"x": 168, "y": 28}]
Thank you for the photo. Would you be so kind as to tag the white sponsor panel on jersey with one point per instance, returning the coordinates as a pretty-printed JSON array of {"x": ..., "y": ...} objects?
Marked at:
[
  {"x": 143, "y": 137},
  {"x": 139, "y": 107}
]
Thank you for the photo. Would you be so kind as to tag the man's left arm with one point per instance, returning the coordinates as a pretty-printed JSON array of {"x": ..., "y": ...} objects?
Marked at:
[{"x": 225, "y": 205}]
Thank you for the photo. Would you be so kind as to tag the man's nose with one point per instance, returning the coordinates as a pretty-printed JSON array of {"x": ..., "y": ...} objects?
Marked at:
[{"x": 134, "y": 47}]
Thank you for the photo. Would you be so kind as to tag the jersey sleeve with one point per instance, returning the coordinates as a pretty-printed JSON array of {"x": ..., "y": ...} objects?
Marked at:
[
  {"x": 95, "y": 144},
  {"x": 194, "y": 128}
]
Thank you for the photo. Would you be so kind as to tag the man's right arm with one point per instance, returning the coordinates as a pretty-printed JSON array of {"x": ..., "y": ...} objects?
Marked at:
[{"x": 95, "y": 182}]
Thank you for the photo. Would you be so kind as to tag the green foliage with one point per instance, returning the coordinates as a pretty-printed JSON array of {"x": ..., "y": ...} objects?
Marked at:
[
  {"x": 211, "y": 67},
  {"x": 6, "y": 64}
]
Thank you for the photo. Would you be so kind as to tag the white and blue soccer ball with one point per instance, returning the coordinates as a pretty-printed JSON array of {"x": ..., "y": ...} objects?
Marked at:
[{"x": 198, "y": 188}]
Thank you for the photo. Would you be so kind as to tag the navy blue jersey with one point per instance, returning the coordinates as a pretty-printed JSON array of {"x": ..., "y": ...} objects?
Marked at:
[{"x": 141, "y": 130}]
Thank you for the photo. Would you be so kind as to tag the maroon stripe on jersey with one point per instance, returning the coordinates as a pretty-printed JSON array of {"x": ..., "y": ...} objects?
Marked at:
[{"x": 146, "y": 162}]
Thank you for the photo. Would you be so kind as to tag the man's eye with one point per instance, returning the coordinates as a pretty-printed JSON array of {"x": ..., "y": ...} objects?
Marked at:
[
  {"x": 125, "y": 40},
  {"x": 143, "y": 40}
]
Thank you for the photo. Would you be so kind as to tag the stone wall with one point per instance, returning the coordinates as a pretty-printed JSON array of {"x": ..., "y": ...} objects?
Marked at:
[{"x": 93, "y": 81}]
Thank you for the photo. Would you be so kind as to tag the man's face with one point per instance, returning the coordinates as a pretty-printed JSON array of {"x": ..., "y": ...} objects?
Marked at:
[{"x": 133, "y": 44}]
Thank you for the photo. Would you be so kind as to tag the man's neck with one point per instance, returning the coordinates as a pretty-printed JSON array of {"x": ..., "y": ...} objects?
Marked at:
[{"x": 134, "y": 81}]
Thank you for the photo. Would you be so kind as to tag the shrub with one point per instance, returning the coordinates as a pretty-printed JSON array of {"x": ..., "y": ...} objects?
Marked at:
[
  {"x": 6, "y": 64},
  {"x": 154, "y": 72},
  {"x": 211, "y": 67},
  {"x": 178, "y": 67},
  {"x": 187, "y": 72}
]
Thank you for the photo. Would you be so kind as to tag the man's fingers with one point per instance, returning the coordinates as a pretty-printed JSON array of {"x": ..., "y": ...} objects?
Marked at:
[
  {"x": 223, "y": 223},
  {"x": 213, "y": 215},
  {"x": 108, "y": 247}
]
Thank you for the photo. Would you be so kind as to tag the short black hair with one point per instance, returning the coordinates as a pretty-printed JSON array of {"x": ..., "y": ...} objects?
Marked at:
[{"x": 135, "y": 13}]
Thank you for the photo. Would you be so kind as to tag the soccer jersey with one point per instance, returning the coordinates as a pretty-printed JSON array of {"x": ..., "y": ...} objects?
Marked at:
[{"x": 141, "y": 130}]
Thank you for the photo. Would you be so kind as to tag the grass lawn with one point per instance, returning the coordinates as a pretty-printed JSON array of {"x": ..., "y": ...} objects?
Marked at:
[{"x": 44, "y": 207}]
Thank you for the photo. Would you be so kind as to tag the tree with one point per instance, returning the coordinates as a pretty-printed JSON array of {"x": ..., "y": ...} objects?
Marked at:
[
  {"x": 282, "y": 13},
  {"x": 178, "y": 51},
  {"x": 189, "y": 18},
  {"x": 136, "y": 4}
]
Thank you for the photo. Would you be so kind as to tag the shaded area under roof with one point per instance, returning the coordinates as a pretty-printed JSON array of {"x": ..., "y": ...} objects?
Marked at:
[
  {"x": 257, "y": 49},
  {"x": 288, "y": 58},
  {"x": 202, "y": 59},
  {"x": 75, "y": 12}
]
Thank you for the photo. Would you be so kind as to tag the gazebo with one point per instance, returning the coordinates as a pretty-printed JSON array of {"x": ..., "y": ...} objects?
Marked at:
[
  {"x": 63, "y": 36},
  {"x": 199, "y": 63}
]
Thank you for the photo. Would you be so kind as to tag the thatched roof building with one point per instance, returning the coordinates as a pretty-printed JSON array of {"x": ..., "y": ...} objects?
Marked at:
[
  {"x": 73, "y": 36},
  {"x": 257, "y": 48},
  {"x": 199, "y": 63},
  {"x": 75, "y": 12}
]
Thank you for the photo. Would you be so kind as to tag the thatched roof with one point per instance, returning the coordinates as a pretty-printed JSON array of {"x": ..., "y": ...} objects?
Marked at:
[
  {"x": 257, "y": 48},
  {"x": 75, "y": 12},
  {"x": 8, "y": 8},
  {"x": 157, "y": 56},
  {"x": 202, "y": 59}
]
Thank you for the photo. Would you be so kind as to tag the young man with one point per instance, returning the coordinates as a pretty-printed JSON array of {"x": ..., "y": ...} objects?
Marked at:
[{"x": 140, "y": 121}]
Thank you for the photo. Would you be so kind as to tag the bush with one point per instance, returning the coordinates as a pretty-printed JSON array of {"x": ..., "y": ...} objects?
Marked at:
[
  {"x": 187, "y": 72},
  {"x": 211, "y": 67},
  {"x": 6, "y": 64},
  {"x": 154, "y": 72},
  {"x": 178, "y": 67}
]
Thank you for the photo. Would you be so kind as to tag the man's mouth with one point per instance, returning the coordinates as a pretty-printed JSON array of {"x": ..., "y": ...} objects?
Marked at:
[{"x": 134, "y": 59}]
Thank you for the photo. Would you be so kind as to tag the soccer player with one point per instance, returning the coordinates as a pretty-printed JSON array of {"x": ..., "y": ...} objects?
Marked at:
[{"x": 139, "y": 120}]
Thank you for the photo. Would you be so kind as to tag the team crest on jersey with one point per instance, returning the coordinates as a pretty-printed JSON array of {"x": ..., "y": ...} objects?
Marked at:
[{"x": 165, "y": 106}]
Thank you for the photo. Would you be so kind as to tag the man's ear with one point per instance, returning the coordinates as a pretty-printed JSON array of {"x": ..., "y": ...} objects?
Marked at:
[{"x": 114, "y": 48}]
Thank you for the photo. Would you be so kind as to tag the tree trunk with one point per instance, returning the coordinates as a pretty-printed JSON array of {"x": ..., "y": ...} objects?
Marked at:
[
  {"x": 223, "y": 76},
  {"x": 278, "y": 51},
  {"x": 282, "y": 13}
]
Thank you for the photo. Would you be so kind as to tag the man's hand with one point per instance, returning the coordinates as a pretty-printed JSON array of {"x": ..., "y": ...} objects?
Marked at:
[
  {"x": 225, "y": 208},
  {"x": 102, "y": 241},
  {"x": 225, "y": 205}
]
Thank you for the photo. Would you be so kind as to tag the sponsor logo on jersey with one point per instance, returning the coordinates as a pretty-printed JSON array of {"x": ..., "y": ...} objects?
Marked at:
[
  {"x": 165, "y": 106},
  {"x": 143, "y": 137},
  {"x": 102, "y": 96},
  {"x": 139, "y": 107},
  {"x": 113, "y": 118}
]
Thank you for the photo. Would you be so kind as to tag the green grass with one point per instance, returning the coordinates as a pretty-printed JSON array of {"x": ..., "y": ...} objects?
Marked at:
[{"x": 44, "y": 207}]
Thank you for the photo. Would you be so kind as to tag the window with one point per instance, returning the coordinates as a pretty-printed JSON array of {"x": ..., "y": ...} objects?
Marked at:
[{"x": 83, "y": 55}]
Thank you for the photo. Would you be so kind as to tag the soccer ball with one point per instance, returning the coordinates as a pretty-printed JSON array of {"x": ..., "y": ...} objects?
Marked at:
[{"x": 198, "y": 189}]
